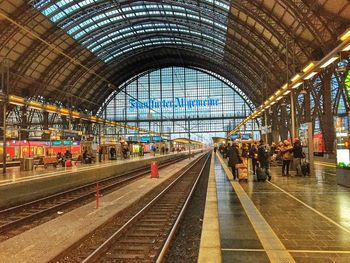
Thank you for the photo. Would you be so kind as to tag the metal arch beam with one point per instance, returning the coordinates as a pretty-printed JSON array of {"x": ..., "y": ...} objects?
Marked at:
[
  {"x": 231, "y": 15},
  {"x": 134, "y": 78},
  {"x": 186, "y": 21},
  {"x": 22, "y": 64},
  {"x": 204, "y": 9},
  {"x": 182, "y": 36},
  {"x": 194, "y": 25},
  {"x": 130, "y": 63},
  {"x": 256, "y": 11},
  {"x": 92, "y": 83},
  {"x": 131, "y": 67},
  {"x": 256, "y": 59},
  {"x": 127, "y": 72},
  {"x": 94, "y": 7},
  {"x": 255, "y": 37},
  {"x": 253, "y": 41},
  {"x": 235, "y": 53},
  {"x": 311, "y": 20}
]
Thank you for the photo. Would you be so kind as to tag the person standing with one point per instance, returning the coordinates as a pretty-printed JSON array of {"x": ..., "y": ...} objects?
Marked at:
[
  {"x": 233, "y": 158},
  {"x": 253, "y": 154},
  {"x": 264, "y": 158},
  {"x": 297, "y": 156},
  {"x": 286, "y": 151}
]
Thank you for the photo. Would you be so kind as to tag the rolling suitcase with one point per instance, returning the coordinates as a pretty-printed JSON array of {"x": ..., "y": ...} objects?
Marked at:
[
  {"x": 261, "y": 174},
  {"x": 68, "y": 163},
  {"x": 242, "y": 172},
  {"x": 305, "y": 168}
]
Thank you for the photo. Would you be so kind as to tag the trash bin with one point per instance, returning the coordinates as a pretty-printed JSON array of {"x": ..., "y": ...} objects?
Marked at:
[
  {"x": 28, "y": 164},
  {"x": 22, "y": 166}
]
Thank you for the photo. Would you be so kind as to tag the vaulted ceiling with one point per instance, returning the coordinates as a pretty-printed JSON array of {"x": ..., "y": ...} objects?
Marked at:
[{"x": 79, "y": 51}]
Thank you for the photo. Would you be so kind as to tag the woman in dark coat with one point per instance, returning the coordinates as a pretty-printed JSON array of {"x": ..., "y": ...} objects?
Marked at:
[{"x": 233, "y": 159}]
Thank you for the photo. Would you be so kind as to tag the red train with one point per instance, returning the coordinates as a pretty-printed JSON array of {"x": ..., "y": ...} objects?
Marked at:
[{"x": 20, "y": 149}]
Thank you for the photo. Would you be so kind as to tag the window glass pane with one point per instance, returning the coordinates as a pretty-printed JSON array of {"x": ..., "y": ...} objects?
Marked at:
[{"x": 175, "y": 99}]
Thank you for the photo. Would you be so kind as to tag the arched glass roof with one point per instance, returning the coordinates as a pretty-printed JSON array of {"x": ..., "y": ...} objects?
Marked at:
[{"x": 110, "y": 29}]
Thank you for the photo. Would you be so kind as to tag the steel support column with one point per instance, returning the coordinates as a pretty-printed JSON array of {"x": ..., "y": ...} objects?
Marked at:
[
  {"x": 283, "y": 128},
  {"x": 274, "y": 126},
  {"x": 327, "y": 114},
  {"x": 24, "y": 134},
  {"x": 4, "y": 91}
]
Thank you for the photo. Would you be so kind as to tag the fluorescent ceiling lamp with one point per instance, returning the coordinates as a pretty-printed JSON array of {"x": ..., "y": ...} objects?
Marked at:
[
  {"x": 285, "y": 86},
  {"x": 310, "y": 75},
  {"x": 278, "y": 92},
  {"x": 273, "y": 103},
  {"x": 347, "y": 48},
  {"x": 272, "y": 97},
  {"x": 35, "y": 105},
  {"x": 329, "y": 61},
  {"x": 308, "y": 67},
  {"x": 296, "y": 77},
  {"x": 296, "y": 85},
  {"x": 51, "y": 108},
  {"x": 345, "y": 35},
  {"x": 280, "y": 97},
  {"x": 287, "y": 92},
  {"x": 16, "y": 100}
]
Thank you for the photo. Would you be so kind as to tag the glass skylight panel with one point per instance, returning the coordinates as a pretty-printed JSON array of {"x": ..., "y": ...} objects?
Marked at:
[{"x": 100, "y": 28}]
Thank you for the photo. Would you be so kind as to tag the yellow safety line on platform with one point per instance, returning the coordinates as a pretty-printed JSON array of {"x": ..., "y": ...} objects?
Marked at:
[
  {"x": 325, "y": 164},
  {"x": 290, "y": 250},
  {"x": 210, "y": 247},
  {"x": 329, "y": 173},
  {"x": 273, "y": 246},
  {"x": 321, "y": 251},
  {"x": 311, "y": 208}
]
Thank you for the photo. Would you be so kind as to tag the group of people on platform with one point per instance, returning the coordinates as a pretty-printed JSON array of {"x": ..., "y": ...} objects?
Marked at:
[
  {"x": 63, "y": 158},
  {"x": 262, "y": 154}
]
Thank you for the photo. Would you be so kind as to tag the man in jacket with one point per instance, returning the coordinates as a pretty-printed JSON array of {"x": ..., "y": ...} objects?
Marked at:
[
  {"x": 264, "y": 158},
  {"x": 253, "y": 154},
  {"x": 297, "y": 156},
  {"x": 233, "y": 158}
]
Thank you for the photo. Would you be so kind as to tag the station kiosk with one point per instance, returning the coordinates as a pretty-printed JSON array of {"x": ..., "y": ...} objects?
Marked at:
[{"x": 343, "y": 150}]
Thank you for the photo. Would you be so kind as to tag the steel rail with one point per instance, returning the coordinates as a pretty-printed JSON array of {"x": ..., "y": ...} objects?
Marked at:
[
  {"x": 139, "y": 173},
  {"x": 105, "y": 245},
  {"x": 167, "y": 243}
]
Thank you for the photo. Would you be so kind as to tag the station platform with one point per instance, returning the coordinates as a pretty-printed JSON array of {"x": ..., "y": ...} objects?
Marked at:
[
  {"x": 46, "y": 241},
  {"x": 290, "y": 219},
  {"x": 20, "y": 186}
]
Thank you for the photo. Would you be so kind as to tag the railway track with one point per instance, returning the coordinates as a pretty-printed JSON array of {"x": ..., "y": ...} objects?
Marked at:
[
  {"x": 17, "y": 219},
  {"x": 147, "y": 236}
]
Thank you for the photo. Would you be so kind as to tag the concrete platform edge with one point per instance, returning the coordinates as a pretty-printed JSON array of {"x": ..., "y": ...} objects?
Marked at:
[{"x": 210, "y": 247}]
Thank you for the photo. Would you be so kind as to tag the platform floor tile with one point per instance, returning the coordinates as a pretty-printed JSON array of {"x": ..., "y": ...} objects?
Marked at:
[{"x": 239, "y": 241}]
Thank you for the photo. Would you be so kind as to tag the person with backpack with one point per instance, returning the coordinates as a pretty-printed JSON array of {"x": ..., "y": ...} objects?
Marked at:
[
  {"x": 233, "y": 158},
  {"x": 264, "y": 158}
]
